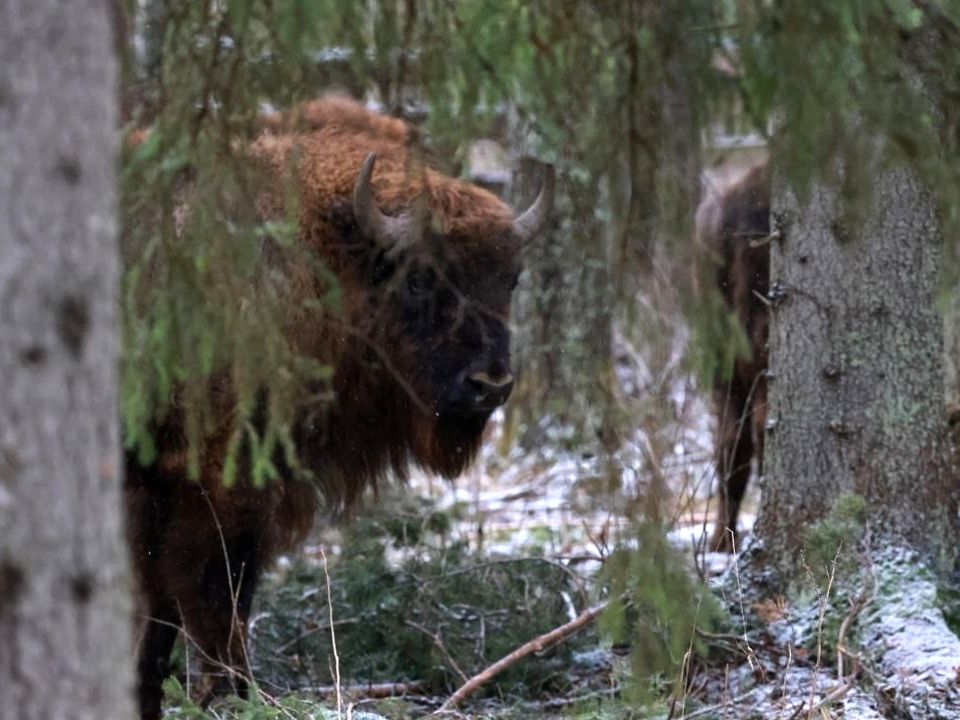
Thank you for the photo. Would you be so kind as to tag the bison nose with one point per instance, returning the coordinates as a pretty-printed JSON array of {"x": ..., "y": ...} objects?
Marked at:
[{"x": 489, "y": 391}]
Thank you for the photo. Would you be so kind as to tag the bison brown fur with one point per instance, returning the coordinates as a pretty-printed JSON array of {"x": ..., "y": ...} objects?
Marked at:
[
  {"x": 426, "y": 265},
  {"x": 732, "y": 225}
]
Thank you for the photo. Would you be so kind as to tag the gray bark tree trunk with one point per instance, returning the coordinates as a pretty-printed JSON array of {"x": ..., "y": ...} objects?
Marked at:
[
  {"x": 65, "y": 611},
  {"x": 563, "y": 315},
  {"x": 856, "y": 408},
  {"x": 856, "y": 363},
  {"x": 537, "y": 313}
]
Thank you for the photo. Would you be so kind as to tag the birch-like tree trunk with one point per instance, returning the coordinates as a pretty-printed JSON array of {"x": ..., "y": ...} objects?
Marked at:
[{"x": 65, "y": 647}]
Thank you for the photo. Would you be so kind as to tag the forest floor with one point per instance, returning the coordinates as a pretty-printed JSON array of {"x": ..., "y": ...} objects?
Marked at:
[
  {"x": 390, "y": 613},
  {"x": 433, "y": 583}
]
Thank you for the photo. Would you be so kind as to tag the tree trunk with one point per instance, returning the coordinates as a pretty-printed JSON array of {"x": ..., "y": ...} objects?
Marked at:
[
  {"x": 537, "y": 315},
  {"x": 951, "y": 333},
  {"x": 856, "y": 408},
  {"x": 856, "y": 370},
  {"x": 65, "y": 649}
]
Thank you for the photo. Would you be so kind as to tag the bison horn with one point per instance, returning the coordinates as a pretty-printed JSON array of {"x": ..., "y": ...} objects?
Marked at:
[
  {"x": 534, "y": 218},
  {"x": 385, "y": 230}
]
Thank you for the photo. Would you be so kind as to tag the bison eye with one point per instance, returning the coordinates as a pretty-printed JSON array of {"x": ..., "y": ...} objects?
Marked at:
[{"x": 418, "y": 282}]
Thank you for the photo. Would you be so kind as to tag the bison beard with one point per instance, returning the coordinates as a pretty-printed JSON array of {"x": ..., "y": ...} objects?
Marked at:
[
  {"x": 421, "y": 358},
  {"x": 729, "y": 224}
]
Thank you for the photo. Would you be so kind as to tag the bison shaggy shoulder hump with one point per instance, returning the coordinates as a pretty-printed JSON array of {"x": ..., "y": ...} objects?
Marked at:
[
  {"x": 732, "y": 224},
  {"x": 420, "y": 350}
]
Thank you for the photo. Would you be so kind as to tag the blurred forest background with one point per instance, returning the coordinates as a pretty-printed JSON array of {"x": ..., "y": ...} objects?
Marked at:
[{"x": 596, "y": 484}]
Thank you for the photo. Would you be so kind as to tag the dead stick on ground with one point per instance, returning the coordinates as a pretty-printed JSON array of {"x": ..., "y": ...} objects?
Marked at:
[
  {"x": 831, "y": 697},
  {"x": 333, "y": 636},
  {"x": 373, "y": 690},
  {"x": 535, "y": 645}
]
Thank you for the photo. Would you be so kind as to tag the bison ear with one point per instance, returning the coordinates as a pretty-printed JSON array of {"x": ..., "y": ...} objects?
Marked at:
[
  {"x": 385, "y": 231},
  {"x": 529, "y": 223}
]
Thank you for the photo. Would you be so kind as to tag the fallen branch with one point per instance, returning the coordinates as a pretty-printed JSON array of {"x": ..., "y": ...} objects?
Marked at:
[
  {"x": 374, "y": 690},
  {"x": 829, "y": 699},
  {"x": 856, "y": 607},
  {"x": 538, "y": 644},
  {"x": 562, "y": 702},
  {"x": 729, "y": 703}
]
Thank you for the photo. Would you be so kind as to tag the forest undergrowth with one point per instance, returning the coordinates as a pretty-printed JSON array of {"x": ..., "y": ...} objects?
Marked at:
[
  {"x": 416, "y": 612},
  {"x": 431, "y": 585}
]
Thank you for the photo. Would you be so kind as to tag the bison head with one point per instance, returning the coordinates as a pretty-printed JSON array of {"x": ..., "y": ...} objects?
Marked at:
[{"x": 437, "y": 314}]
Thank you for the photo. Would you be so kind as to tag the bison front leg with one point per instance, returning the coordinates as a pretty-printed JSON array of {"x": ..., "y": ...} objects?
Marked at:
[
  {"x": 218, "y": 622},
  {"x": 211, "y": 564}
]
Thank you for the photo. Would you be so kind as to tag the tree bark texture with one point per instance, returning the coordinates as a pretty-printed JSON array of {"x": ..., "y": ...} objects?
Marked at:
[
  {"x": 563, "y": 320},
  {"x": 951, "y": 338},
  {"x": 65, "y": 647},
  {"x": 856, "y": 369},
  {"x": 537, "y": 315}
]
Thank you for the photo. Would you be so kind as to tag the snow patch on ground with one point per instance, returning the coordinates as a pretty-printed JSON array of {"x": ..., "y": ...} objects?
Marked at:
[
  {"x": 903, "y": 661},
  {"x": 917, "y": 654}
]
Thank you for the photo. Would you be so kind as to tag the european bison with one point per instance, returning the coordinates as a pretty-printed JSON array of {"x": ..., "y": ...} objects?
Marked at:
[
  {"x": 420, "y": 351},
  {"x": 732, "y": 222}
]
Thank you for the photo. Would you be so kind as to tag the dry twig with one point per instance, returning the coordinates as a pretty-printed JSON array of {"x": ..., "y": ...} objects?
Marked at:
[
  {"x": 831, "y": 697},
  {"x": 856, "y": 607},
  {"x": 538, "y": 644},
  {"x": 438, "y": 642},
  {"x": 373, "y": 690},
  {"x": 333, "y": 636},
  {"x": 732, "y": 702}
]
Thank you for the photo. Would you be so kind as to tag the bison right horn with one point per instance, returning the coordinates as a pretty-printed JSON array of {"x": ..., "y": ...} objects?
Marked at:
[
  {"x": 534, "y": 218},
  {"x": 384, "y": 230}
]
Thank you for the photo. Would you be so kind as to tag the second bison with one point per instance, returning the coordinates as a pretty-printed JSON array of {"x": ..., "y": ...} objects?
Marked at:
[
  {"x": 733, "y": 226},
  {"x": 426, "y": 265}
]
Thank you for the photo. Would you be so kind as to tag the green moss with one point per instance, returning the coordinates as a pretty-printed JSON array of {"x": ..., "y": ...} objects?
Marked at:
[
  {"x": 948, "y": 600},
  {"x": 831, "y": 544}
]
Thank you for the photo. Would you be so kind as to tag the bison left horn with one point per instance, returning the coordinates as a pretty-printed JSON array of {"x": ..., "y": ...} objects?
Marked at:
[
  {"x": 534, "y": 218},
  {"x": 385, "y": 230}
]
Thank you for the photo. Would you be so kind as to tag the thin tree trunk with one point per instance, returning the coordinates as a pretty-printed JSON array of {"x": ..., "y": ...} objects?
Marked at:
[
  {"x": 65, "y": 646},
  {"x": 537, "y": 314},
  {"x": 856, "y": 362}
]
